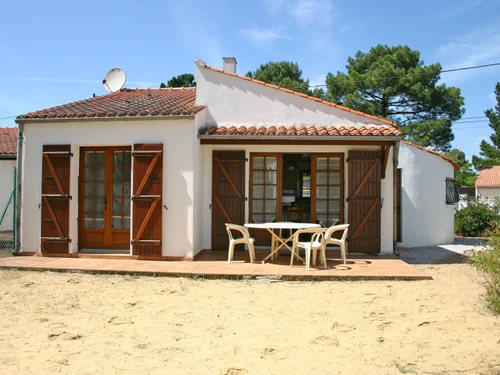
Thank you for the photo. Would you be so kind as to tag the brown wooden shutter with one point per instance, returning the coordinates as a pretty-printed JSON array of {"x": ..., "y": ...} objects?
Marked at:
[
  {"x": 228, "y": 194},
  {"x": 55, "y": 199},
  {"x": 364, "y": 201},
  {"x": 147, "y": 200}
]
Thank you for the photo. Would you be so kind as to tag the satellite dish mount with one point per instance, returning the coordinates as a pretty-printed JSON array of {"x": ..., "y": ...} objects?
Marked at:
[{"x": 114, "y": 80}]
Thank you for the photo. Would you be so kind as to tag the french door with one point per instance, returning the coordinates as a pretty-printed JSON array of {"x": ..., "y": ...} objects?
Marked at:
[{"x": 104, "y": 198}]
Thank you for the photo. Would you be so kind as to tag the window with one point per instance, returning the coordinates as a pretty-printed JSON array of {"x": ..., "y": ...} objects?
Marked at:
[{"x": 452, "y": 195}]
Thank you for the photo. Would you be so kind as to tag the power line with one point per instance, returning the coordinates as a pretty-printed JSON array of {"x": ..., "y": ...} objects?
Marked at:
[
  {"x": 6, "y": 118},
  {"x": 422, "y": 74},
  {"x": 469, "y": 122}
]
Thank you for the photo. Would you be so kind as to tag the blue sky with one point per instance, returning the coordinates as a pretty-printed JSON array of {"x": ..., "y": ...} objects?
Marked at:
[{"x": 54, "y": 52}]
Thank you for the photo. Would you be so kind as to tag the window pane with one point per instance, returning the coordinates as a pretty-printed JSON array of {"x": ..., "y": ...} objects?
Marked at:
[
  {"x": 271, "y": 192},
  {"x": 99, "y": 174},
  {"x": 126, "y": 206},
  {"x": 126, "y": 174},
  {"x": 127, "y": 156},
  {"x": 258, "y": 163},
  {"x": 321, "y": 178},
  {"x": 117, "y": 189},
  {"x": 271, "y": 163},
  {"x": 334, "y": 164},
  {"x": 89, "y": 158},
  {"x": 321, "y": 207},
  {"x": 257, "y": 205},
  {"x": 271, "y": 177},
  {"x": 100, "y": 158},
  {"x": 117, "y": 205},
  {"x": 89, "y": 174},
  {"x": 126, "y": 189},
  {"x": 89, "y": 189},
  {"x": 334, "y": 178},
  {"x": 126, "y": 222},
  {"x": 321, "y": 164},
  {"x": 321, "y": 192},
  {"x": 333, "y": 207},
  {"x": 258, "y": 177},
  {"x": 117, "y": 174},
  {"x": 99, "y": 221},
  {"x": 270, "y": 206},
  {"x": 89, "y": 205},
  {"x": 117, "y": 222},
  {"x": 89, "y": 221},
  {"x": 99, "y": 205},
  {"x": 334, "y": 192},
  {"x": 258, "y": 191},
  {"x": 118, "y": 158},
  {"x": 99, "y": 189}
]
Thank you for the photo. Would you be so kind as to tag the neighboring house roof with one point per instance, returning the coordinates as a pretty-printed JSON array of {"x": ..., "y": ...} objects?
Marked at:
[
  {"x": 341, "y": 107},
  {"x": 302, "y": 130},
  {"x": 456, "y": 167},
  {"x": 8, "y": 142},
  {"x": 126, "y": 103},
  {"x": 488, "y": 177}
]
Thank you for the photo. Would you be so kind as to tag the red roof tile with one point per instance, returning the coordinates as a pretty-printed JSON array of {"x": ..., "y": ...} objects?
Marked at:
[
  {"x": 456, "y": 167},
  {"x": 8, "y": 141},
  {"x": 331, "y": 104},
  {"x": 303, "y": 130},
  {"x": 488, "y": 177},
  {"x": 126, "y": 103}
]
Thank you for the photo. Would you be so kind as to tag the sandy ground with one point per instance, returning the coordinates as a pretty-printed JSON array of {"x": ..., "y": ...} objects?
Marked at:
[{"x": 73, "y": 323}]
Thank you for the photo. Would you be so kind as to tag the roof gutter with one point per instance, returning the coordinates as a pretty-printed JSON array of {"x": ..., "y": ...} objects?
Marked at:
[
  {"x": 95, "y": 119},
  {"x": 315, "y": 138}
]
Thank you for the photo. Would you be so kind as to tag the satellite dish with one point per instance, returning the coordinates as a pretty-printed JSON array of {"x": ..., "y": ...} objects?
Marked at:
[{"x": 114, "y": 80}]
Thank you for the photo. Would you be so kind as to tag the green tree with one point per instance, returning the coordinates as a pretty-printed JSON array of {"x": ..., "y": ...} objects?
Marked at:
[
  {"x": 393, "y": 83},
  {"x": 182, "y": 80},
  {"x": 465, "y": 176},
  {"x": 490, "y": 153},
  {"x": 282, "y": 73}
]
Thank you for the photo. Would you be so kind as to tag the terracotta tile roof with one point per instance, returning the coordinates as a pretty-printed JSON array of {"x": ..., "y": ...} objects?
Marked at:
[
  {"x": 341, "y": 107},
  {"x": 302, "y": 130},
  {"x": 488, "y": 177},
  {"x": 126, "y": 103},
  {"x": 456, "y": 167},
  {"x": 8, "y": 141}
]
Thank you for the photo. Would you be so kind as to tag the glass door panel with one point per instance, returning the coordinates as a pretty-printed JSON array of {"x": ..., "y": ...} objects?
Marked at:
[{"x": 328, "y": 189}]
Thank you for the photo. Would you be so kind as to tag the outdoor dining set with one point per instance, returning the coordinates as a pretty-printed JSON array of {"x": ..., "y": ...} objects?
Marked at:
[{"x": 293, "y": 236}]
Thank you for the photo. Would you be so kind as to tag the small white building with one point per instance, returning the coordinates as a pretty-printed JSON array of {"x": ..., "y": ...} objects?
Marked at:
[
  {"x": 488, "y": 184},
  {"x": 156, "y": 173}
]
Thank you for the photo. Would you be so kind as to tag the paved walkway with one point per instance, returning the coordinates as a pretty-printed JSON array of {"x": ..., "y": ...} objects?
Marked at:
[{"x": 215, "y": 265}]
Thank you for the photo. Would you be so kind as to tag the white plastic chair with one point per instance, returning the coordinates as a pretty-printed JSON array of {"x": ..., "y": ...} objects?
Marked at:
[
  {"x": 245, "y": 239},
  {"x": 312, "y": 246},
  {"x": 328, "y": 239}
]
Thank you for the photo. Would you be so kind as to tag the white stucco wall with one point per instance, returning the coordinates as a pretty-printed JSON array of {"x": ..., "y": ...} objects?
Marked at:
[
  {"x": 177, "y": 137},
  {"x": 488, "y": 192},
  {"x": 206, "y": 218},
  {"x": 223, "y": 94},
  {"x": 426, "y": 219},
  {"x": 7, "y": 167}
]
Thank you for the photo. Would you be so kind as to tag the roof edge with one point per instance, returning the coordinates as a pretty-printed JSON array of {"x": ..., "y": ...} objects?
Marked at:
[
  {"x": 456, "y": 167},
  {"x": 370, "y": 138},
  {"x": 114, "y": 118},
  {"x": 331, "y": 104}
]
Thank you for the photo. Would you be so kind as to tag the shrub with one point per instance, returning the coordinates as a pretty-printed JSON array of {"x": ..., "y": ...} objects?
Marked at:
[
  {"x": 487, "y": 262},
  {"x": 474, "y": 219}
]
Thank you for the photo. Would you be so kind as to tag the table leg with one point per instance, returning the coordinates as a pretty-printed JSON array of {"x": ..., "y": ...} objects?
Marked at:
[{"x": 280, "y": 242}]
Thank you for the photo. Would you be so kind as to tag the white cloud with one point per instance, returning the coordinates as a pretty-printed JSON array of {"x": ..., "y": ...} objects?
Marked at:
[
  {"x": 459, "y": 8},
  {"x": 307, "y": 12},
  {"x": 259, "y": 35},
  {"x": 275, "y": 6},
  {"x": 480, "y": 139},
  {"x": 479, "y": 47}
]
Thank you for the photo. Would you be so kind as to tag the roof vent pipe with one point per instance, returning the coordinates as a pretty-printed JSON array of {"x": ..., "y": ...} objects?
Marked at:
[{"x": 229, "y": 64}]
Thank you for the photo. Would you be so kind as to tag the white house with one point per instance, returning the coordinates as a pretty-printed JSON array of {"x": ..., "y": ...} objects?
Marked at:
[
  {"x": 8, "y": 152},
  {"x": 157, "y": 172},
  {"x": 488, "y": 183}
]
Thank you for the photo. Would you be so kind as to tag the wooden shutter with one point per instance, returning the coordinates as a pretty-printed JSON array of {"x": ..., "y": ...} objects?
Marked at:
[
  {"x": 147, "y": 200},
  {"x": 55, "y": 199},
  {"x": 364, "y": 201},
  {"x": 228, "y": 194}
]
